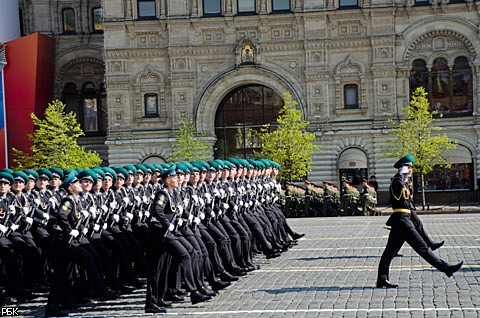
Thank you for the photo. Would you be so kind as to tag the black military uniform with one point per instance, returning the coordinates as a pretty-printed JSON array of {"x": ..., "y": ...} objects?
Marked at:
[{"x": 403, "y": 229}]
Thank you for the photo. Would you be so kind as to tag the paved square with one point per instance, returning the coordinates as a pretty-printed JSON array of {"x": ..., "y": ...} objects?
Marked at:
[{"x": 332, "y": 273}]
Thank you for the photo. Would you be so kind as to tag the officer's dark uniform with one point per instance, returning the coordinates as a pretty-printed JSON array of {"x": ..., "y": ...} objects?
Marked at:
[{"x": 403, "y": 230}]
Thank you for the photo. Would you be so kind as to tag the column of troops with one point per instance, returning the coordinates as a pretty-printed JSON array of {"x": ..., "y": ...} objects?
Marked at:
[{"x": 189, "y": 228}]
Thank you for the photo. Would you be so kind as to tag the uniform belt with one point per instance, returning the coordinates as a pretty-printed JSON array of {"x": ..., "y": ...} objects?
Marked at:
[{"x": 402, "y": 210}]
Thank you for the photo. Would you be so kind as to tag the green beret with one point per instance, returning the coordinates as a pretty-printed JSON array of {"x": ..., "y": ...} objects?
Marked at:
[
  {"x": 170, "y": 171},
  {"x": 227, "y": 164},
  {"x": 45, "y": 173},
  {"x": 196, "y": 166},
  {"x": 88, "y": 174},
  {"x": 7, "y": 170},
  {"x": 68, "y": 171},
  {"x": 6, "y": 177},
  {"x": 150, "y": 168},
  {"x": 407, "y": 160},
  {"x": 189, "y": 166},
  {"x": 121, "y": 172},
  {"x": 32, "y": 174},
  {"x": 20, "y": 175},
  {"x": 140, "y": 168},
  {"x": 213, "y": 166},
  {"x": 110, "y": 172},
  {"x": 56, "y": 172},
  {"x": 68, "y": 180},
  {"x": 180, "y": 168},
  {"x": 130, "y": 169},
  {"x": 99, "y": 172},
  {"x": 235, "y": 163}
]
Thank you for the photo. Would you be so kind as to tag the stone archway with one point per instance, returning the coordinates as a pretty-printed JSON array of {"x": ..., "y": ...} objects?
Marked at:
[{"x": 216, "y": 92}]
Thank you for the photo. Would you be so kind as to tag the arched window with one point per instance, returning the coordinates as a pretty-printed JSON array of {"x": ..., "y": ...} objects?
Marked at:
[
  {"x": 68, "y": 22},
  {"x": 449, "y": 89},
  {"x": 240, "y": 115}
]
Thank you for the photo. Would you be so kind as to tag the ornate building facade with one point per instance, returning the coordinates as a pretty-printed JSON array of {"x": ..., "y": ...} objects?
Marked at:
[{"x": 350, "y": 64}]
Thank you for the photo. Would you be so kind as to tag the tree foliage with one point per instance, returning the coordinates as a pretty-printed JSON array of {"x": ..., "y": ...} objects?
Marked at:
[
  {"x": 419, "y": 135},
  {"x": 190, "y": 146},
  {"x": 54, "y": 142},
  {"x": 289, "y": 145}
]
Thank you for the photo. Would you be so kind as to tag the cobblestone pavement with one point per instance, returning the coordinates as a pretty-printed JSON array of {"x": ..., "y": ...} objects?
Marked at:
[{"x": 332, "y": 273}]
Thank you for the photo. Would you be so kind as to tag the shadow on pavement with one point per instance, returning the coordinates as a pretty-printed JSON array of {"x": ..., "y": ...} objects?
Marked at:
[{"x": 335, "y": 257}]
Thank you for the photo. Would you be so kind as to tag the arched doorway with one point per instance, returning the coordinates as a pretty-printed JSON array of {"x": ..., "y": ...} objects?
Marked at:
[
  {"x": 240, "y": 115},
  {"x": 352, "y": 166}
]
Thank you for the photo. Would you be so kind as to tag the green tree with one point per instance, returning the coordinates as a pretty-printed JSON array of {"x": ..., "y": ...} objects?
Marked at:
[
  {"x": 289, "y": 145},
  {"x": 190, "y": 146},
  {"x": 419, "y": 135},
  {"x": 54, "y": 142}
]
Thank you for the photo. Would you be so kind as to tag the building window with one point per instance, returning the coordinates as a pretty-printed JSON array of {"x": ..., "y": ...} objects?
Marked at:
[
  {"x": 422, "y": 2},
  {"x": 348, "y": 4},
  {"x": 151, "y": 105},
  {"x": 240, "y": 115},
  {"x": 246, "y": 6},
  {"x": 281, "y": 5},
  {"x": 90, "y": 108},
  {"x": 211, "y": 7},
  {"x": 458, "y": 177},
  {"x": 146, "y": 9},
  {"x": 350, "y": 94},
  {"x": 450, "y": 91},
  {"x": 68, "y": 20},
  {"x": 97, "y": 14}
]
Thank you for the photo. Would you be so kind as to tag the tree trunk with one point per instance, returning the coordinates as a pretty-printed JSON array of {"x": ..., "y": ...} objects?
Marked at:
[{"x": 422, "y": 189}]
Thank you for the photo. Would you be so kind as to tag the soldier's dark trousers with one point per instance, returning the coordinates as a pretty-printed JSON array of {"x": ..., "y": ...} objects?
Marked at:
[
  {"x": 403, "y": 230},
  {"x": 421, "y": 230},
  {"x": 212, "y": 249},
  {"x": 181, "y": 257}
]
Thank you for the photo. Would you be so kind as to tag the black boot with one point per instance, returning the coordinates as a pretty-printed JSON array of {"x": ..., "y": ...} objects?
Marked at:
[
  {"x": 197, "y": 297},
  {"x": 154, "y": 309},
  {"x": 218, "y": 284},
  {"x": 204, "y": 290},
  {"x": 296, "y": 236},
  {"x": 385, "y": 284},
  {"x": 453, "y": 268},
  {"x": 437, "y": 245},
  {"x": 226, "y": 277}
]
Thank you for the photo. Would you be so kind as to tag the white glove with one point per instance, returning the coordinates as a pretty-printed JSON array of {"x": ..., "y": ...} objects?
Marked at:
[
  {"x": 180, "y": 222},
  {"x": 37, "y": 201},
  {"x": 113, "y": 204},
  {"x": 195, "y": 198},
  {"x": 212, "y": 214},
  {"x": 14, "y": 227},
  {"x": 29, "y": 220},
  {"x": 403, "y": 170},
  {"x": 197, "y": 221},
  {"x": 96, "y": 227},
  {"x": 180, "y": 208},
  {"x": 208, "y": 196},
  {"x": 3, "y": 228},
  {"x": 222, "y": 192},
  {"x": 52, "y": 201},
  {"x": 25, "y": 210},
  {"x": 201, "y": 215},
  {"x": 230, "y": 190},
  {"x": 185, "y": 202},
  {"x": 74, "y": 233},
  {"x": 104, "y": 208},
  {"x": 116, "y": 217},
  {"x": 202, "y": 202},
  {"x": 46, "y": 216},
  {"x": 140, "y": 215},
  {"x": 171, "y": 227},
  {"x": 190, "y": 218},
  {"x": 85, "y": 231},
  {"x": 126, "y": 200},
  {"x": 130, "y": 216},
  {"x": 241, "y": 203},
  {"x": 145, "y": 199},
  {"x": 235, "y": 208},
  {"x": 216, "y": 193},
  {"x": 85, "y": 213},
  {"x": 147, "y": 214},
  {"x": 104, "y": 226},
  {"x": 225, "y": 206},
  {"x": 12, "y": 210}
]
